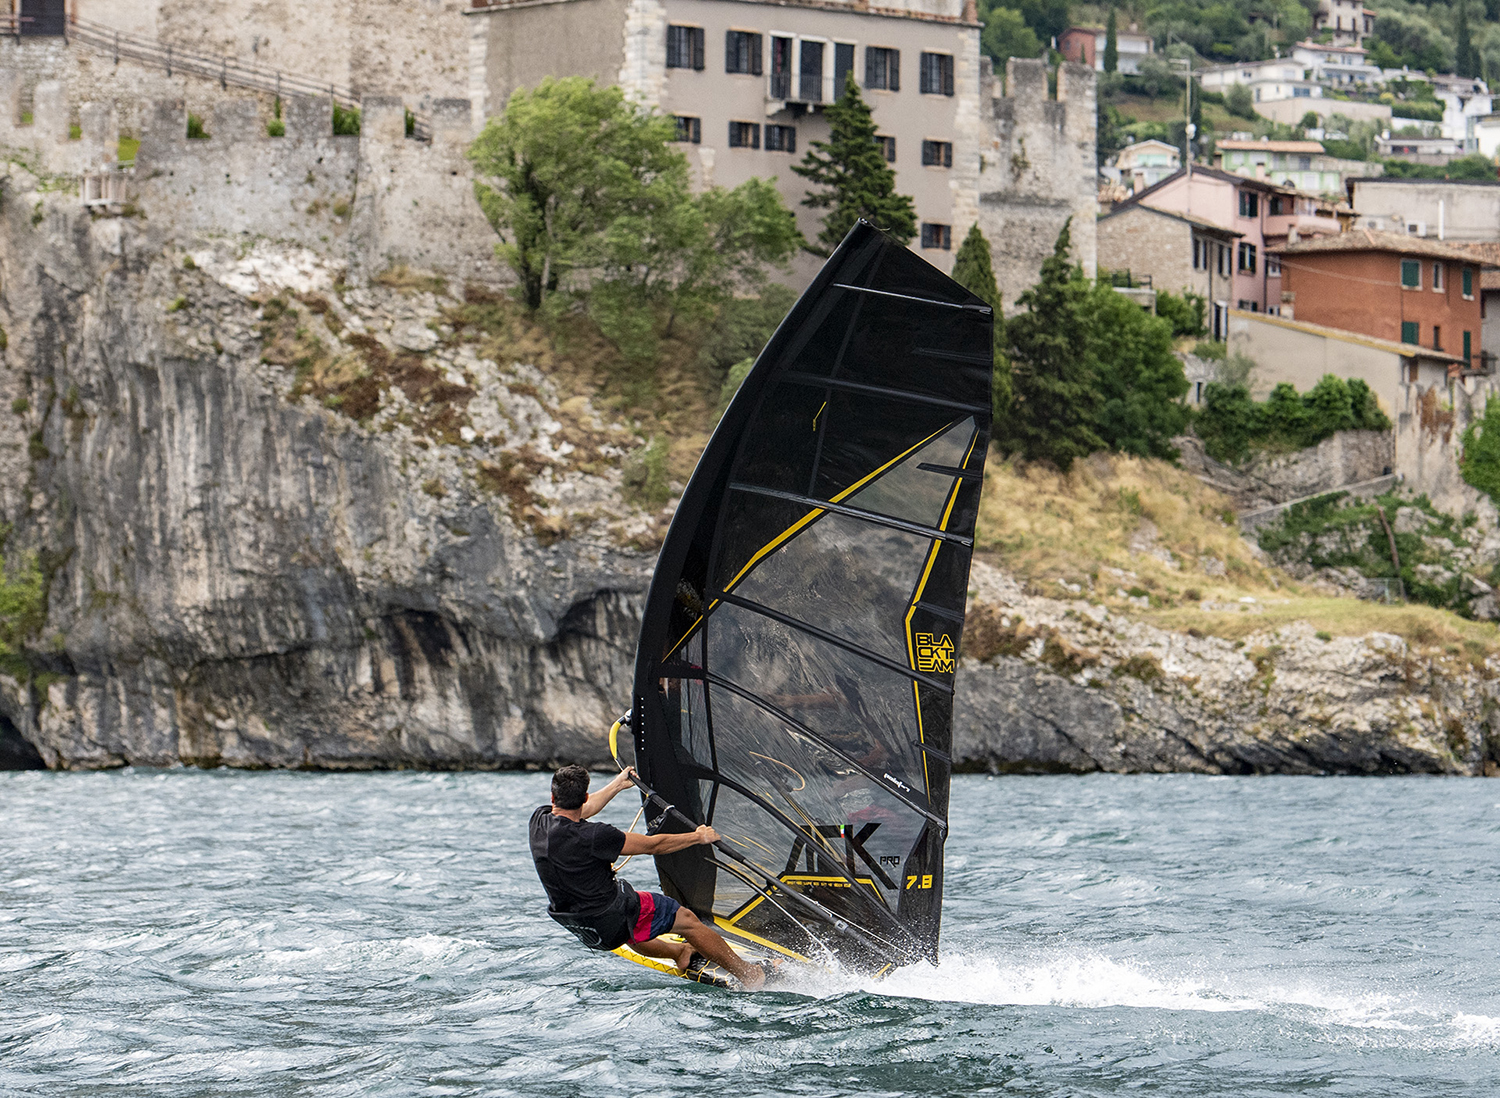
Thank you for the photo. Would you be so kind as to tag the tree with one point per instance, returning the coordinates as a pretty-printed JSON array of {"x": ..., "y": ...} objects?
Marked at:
[
  {"x": 857, "y": 181},
  {"x": 1239, "y": 101},
  {"x": 1139, "y": 378},
  {"x": 1111, "y": 43},
  {"x": 973, "y": 269},
  {"x": 1465, "y": 57},
  {"x": 1006, "y": 35},
  {"x": 593, "y": 202},
  {"x": 567, "y": 159},
  {"x": 1056, "y": 403}
]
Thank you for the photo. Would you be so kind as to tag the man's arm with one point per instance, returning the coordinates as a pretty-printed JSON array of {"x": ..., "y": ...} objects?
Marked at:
[
  {"x": 668, "y": 843},
  {"x": 596, "y": 802}
]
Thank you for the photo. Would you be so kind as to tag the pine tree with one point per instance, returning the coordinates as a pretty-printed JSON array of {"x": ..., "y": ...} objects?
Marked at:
[
  {"x": 1057, "y": 402},
  {"x": 857, "y": 181},
  {"x": 1111, "y": 44},
  {"x": 974, "y": 270}
]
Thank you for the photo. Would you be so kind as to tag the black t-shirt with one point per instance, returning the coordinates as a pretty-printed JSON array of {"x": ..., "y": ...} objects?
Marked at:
[{"x": 575, "y": 861}]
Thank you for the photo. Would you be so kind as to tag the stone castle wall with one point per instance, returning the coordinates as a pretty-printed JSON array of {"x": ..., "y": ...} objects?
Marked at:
[
  {"x": 1037, "y": 169},
  {"x": 374, "y": 201}
]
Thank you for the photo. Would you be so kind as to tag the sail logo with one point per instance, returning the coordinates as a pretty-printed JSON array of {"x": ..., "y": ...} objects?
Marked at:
[{"x": 934, "y": 653}]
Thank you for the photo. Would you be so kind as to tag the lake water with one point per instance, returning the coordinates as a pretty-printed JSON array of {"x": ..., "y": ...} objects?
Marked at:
[{"x": 226, "y": 933}]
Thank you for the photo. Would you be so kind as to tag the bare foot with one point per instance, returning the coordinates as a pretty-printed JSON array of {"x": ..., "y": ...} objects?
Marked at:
[{"x": 753, "y": 977}]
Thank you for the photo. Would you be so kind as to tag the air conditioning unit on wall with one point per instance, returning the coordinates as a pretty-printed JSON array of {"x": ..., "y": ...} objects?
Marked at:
[{"x": 1416, "y": 228}]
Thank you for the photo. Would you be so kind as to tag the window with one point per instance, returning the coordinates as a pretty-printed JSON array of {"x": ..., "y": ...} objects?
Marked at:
[
  {"x": 1200, "y": 254},
  {"x": 843, "y": 65},
  {"x": 1249, "y": 307},
  {"x": 935, "y": 74},
  {"x": 1247, "y": 258},
  {"x": 1304, "y": 163},
  {"x": 742, "y": 52},
  {"x": 689, "y": 129},
  {"x": 810, "y": 82},
  {"x": 685, "y": 48},
  {"x": 937, "y": 236},
  {"x": 1408, "y": 331},
  {"x": 1437, "y": 337},
  {"x": 1437, "y": 276},
  {"x": 1278, "y": 207},
  {"x": 744, "y": 135},
  {"x": 887, "y": 146},
  {"x": 1468, "y": 347},
  {"x": 781, "y": 68},
  {"x": 882, "y": 68},
  {"x": 1224, "y": 261},
  {"x": 781, "y": 139},
  {"x": 937, "y": 154},
  {"x": 1273, "y": 266},
  {"x": 1468, "y": 282},
  {"x": 1249, "y": 204},
  {"x": 1411, "y": 276}
]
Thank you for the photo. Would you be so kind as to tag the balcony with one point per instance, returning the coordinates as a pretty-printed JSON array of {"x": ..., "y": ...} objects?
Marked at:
[{"x": 808, "y": 89}]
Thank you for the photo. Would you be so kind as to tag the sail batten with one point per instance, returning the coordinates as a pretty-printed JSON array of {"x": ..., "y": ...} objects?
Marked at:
[{"x": 794, "y": 679}]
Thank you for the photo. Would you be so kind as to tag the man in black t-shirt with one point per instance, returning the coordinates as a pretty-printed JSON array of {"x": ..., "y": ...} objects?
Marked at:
[{"x": 575, "y": 859}]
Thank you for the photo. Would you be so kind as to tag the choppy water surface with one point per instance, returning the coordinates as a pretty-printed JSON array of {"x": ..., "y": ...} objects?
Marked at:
[{"x": 190, "y": 933}]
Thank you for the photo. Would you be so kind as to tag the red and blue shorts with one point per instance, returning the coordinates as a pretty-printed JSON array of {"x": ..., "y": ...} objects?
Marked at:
[{"x": 658, "y": 913}]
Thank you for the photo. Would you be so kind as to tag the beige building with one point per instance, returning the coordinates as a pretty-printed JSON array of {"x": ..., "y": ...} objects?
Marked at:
[
  {"x": 750, "y": 84},
  {"x": 1176, "y": 252}
]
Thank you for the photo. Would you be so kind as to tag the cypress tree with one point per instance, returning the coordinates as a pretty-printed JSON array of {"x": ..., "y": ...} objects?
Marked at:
[
  {"x": 1111, "y": 44},
  {"x": 974, "y": 270},
  {"x": 1465, "y": 56},
  {"x": 857, "y": 181},
  {"x": 1056, "y": 402}
]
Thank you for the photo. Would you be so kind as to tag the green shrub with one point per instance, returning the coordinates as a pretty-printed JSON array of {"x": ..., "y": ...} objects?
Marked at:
[
  {"x": 276, "y": 127},
  {"x": 196, "y": 132},
  {"x": 732, "y": 382},
  {"x": 1184, "y": 313},
  {"x": 345, "y": 121},
  {"x": 1232, "y": 425},
  {"x": 645, "y": 475},
  {"x": 1481, "y": 451}
]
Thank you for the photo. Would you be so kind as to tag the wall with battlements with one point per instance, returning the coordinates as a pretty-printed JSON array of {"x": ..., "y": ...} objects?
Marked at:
[
  {"x": 375, "y": 201},
  {"x": 1037, "y": 168}
]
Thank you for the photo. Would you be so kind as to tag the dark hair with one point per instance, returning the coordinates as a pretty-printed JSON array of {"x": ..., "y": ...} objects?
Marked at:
[{"x": 570, "y": 787}]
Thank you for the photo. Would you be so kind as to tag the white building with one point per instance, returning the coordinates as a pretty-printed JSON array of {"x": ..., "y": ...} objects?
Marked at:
[
  {"x": 1086, "y": 45},
  {"x": 1336, "y": 66},
  {"x": 1145, "y": 164},
  {"x": 1465, "y": 101}
]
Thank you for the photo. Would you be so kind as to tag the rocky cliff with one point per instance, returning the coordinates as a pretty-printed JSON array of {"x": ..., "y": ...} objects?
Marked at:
[{"x": 250, "y": 520}]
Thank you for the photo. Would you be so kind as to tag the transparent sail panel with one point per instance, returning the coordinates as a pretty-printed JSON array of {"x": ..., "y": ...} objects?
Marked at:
[{"x": 908, "y": 491}]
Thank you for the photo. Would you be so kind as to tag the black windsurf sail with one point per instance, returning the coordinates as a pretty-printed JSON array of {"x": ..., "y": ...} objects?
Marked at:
[{"x": 794, "y": 681}]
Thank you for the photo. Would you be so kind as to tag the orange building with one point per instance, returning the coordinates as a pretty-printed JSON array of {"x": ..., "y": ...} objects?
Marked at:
[{"x": 1399, "y": 288}]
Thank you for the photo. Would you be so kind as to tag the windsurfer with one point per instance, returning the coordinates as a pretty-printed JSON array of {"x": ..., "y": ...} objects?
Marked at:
[{"x": 574, "y": 859}]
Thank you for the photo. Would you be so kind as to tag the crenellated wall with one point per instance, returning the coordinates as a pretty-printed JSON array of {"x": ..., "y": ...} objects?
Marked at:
[
  {"x": 1037, "y": 168},
  {"x": 374, "y": 200}
]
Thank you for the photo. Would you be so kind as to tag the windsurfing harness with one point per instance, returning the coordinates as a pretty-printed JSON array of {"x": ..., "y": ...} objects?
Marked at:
[{"x": 794, "y": 679}]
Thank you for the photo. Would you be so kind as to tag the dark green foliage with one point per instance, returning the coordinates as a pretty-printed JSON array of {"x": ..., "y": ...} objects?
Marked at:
[
  {"x": 854, "y": 177},
  {"x": 1231, "y": 425},
  {"x": 1056, "y": 401},
  {"x": 1184, "y": 313},
  {"x": 410, "y": 123},
  {"x": 1224, "y": 30},
  {"x": 1345, "y": 150},
  {"x": 1481, "y": 451},
  {"x": 195, "y": 130},
  {"x": 1238, "y": 101},
  {"x": 1421, "y": 112},
  {"x": 1337, "y": 531},
  {"x": 1006, "y": 35},
  {"x": 743, "y": 325},
  {"x": 345, "y": 121},
  {"x": 1465, "y": 57},
  {"x": 1474, "y": 166},
  {"x": 974, "y": 270},
  {"x": 1413, "y": 39},
  {"x": 276, "y": 127},
  {"x": 1139, "y": 377},
  {"x": 1111, "y": 43}
]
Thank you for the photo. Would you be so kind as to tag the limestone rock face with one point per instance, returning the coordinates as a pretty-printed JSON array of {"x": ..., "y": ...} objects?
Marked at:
[
  {"x": 1066, "y": 686},
  {"x": 237, "y": 576}
]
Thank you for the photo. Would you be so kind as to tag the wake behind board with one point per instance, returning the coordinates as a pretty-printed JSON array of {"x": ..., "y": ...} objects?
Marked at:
[{"x": 794, "y": 675}]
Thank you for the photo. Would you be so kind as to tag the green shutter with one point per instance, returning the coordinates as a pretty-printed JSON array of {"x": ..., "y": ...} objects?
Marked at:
[
  {"x": 1468, "y": 281},
  {"x": 1411, "y": 275},
  {"x": 1409, "y": 331},
  {"x": 1468, "y": 348}
]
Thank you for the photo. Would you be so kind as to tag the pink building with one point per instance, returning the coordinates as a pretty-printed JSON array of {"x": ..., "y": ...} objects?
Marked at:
[{"x": 1263, "y": 214}]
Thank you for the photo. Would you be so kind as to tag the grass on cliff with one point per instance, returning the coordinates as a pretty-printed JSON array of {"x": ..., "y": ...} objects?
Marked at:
[{"x": 1151, "y": 541}]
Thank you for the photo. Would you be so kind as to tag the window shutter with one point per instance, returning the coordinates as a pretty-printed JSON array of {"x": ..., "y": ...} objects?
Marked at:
[
  {"x": 755, "y": 135},
  {"x": 731, "y": 52},
  {"x": 870, "y": 56},
  {"x": 755, "y": 65},
  {"x": 947, "y": 76},
  {"x": 894, "y": 57},
  {"x": 696, "y": 34}
]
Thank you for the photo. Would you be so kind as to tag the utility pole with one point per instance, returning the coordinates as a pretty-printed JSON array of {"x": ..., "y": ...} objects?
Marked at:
[{"x": 1189, "y": 130}]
